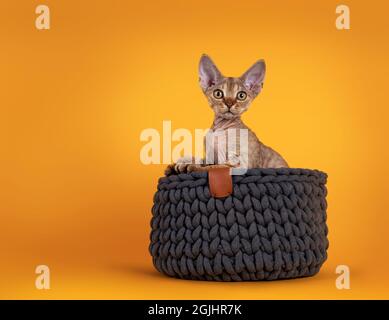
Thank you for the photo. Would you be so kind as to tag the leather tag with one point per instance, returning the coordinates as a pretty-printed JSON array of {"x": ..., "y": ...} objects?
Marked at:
[{"x": 220, "y": 182}]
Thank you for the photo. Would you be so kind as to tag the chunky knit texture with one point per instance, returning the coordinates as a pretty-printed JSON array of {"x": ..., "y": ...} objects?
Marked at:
[{"x": 273, "y": 226}]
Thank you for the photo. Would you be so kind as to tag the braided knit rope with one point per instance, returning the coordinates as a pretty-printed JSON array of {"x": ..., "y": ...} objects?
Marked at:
[{"x": 273, "y": 226}]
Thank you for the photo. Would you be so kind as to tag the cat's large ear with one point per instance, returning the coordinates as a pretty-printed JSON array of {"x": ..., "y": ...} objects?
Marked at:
[
  {"x": 253, "y": 78},
  {"x": 208, "y": 73}
]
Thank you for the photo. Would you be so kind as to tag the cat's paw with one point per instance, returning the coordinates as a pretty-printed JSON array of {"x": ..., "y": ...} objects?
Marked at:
[
  {"x": 184, "y": 165},
  {"x": 233, "y": 161},
  {"x": 170, "y": 169}
]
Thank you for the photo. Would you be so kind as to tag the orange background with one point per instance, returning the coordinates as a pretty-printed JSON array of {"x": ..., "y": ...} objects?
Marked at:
[{"x": 75, "y": 98}]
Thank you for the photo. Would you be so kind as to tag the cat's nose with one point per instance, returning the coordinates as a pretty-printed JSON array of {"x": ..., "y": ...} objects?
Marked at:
[{"x": 229, "y": 102}]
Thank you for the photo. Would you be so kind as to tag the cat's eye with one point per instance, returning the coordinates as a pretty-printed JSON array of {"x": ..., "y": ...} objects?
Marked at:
[
  {"x": 218, "y": 94},
  {"x": 241, "y": 95}
]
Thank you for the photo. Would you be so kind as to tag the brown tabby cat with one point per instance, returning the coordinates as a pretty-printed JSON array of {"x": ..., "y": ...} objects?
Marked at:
[{"x": 229, "y": 98}]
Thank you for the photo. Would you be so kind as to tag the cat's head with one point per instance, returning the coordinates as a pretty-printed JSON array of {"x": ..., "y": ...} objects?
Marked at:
[{"x": 230, "y": 97}]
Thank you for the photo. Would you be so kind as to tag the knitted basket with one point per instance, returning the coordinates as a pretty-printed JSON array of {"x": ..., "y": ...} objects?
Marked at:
[{"x": 272, "y": 226}]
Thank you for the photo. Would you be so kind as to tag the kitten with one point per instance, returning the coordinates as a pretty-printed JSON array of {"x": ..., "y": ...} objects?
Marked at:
[{"x": 230, "y": 98}]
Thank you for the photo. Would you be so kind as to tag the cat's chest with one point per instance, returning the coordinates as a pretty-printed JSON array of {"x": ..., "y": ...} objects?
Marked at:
[{"x": 224, "y": 145}]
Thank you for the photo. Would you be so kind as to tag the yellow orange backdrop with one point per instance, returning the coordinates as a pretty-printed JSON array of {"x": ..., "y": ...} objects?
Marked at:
[{"x": 74, "y": 99}]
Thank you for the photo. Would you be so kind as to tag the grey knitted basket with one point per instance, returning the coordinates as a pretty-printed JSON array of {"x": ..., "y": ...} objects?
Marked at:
[{"x": 272, "y": 226}]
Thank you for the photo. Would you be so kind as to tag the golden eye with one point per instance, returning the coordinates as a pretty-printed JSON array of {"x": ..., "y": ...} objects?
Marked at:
[
  {"x": 241, "y": 95},
  {"x": 218, "y": 94}
]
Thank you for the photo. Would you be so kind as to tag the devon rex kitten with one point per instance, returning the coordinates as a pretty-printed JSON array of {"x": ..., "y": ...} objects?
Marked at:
[{"x": 229, "y": 98}]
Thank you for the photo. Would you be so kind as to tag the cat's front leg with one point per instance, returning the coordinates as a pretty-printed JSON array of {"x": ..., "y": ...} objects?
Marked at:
[
  {"x": 234, "y": 161},
  {"x": 184, "y": 165},
  {"x": 207, "y": 167}
]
